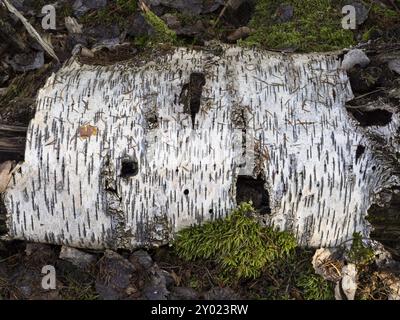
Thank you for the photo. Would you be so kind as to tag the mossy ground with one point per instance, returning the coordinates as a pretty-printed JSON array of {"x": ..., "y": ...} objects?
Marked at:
[
  {"x": 260, "y": 261},
  {"x": 315, "y": 26},
  {"x": 162, "y": 32},
  {"x": 219, "y": 253},
  {"x": 372, "y": 283},
  {"x": 239, "y": 244}
]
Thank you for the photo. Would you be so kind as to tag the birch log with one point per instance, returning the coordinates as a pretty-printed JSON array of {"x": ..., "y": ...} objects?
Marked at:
[{"x": 112, "y": 159}]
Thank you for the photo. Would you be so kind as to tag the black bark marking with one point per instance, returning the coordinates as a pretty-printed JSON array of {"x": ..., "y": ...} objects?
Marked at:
[
  {"x": 191, "y": 94},
  {"x": 359, "y": 152}
]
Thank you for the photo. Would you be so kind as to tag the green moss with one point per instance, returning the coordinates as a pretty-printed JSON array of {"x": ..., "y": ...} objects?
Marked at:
[
  {"x": 116, "y": 12},
  {"x": 241, "y": 247},
  {"x": 314, "y": 287},
  {"x": 163, "y": 33},
  {"x": 141, "y": 42},
  {"x": 359, "y": 253},
  {"x": 316, "y": 26}
]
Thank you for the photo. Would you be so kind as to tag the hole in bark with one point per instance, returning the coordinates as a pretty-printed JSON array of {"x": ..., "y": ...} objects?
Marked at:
[
  {"x": 152, "y": 121},
  {"x": 377, "y": 117},
  {"x": 359, "y": 152},
  {"x": 250, "y": 189},
  {"x": 129, "y": 168},
  {"x": 186, "y": 192}
]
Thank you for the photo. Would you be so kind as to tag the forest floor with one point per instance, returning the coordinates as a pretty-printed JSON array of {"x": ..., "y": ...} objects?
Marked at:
[{"x": 105, "y": 32}]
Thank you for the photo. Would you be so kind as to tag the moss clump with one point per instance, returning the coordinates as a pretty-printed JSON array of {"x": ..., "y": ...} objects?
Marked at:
[
  {"x": 315, "y": 26},
  {"x": 314, "y": 287},
  {"x": 163, "y": 33},
  {"x": 241, "y": 246},
  {"x": 359, "y": 253}
]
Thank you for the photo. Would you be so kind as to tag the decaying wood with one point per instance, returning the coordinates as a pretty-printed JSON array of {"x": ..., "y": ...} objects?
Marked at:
[{"x": 112, "y": 159}]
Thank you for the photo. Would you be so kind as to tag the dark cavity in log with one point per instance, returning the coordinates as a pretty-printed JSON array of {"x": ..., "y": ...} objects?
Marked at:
[
  {"x": 3, "y": 212},
  {"x": 250, "y": 189},
  {"x": 385, "y": 221},
  {"x": 129, "y": 168},
  {"x": 377, "y": 117}
]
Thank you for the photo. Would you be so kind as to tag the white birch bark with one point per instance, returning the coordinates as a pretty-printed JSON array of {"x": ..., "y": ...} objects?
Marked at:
[{"x": 92, "y": 119}]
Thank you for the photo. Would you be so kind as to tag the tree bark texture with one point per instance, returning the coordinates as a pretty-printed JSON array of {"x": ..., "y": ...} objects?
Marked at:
[{"x": 112, "y": 159}]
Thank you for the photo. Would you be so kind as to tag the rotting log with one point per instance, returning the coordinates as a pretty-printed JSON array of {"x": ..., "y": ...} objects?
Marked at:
[{"x": 112, "y": 159}]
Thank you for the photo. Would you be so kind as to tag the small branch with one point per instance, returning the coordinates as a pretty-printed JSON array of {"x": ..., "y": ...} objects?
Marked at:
[
  {"x": 368, "y": 94},
  {"x": 222, "y": 13}
]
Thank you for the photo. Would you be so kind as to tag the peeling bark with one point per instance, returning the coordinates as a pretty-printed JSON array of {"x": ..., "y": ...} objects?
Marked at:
[{"x": 93, "y": 121}]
